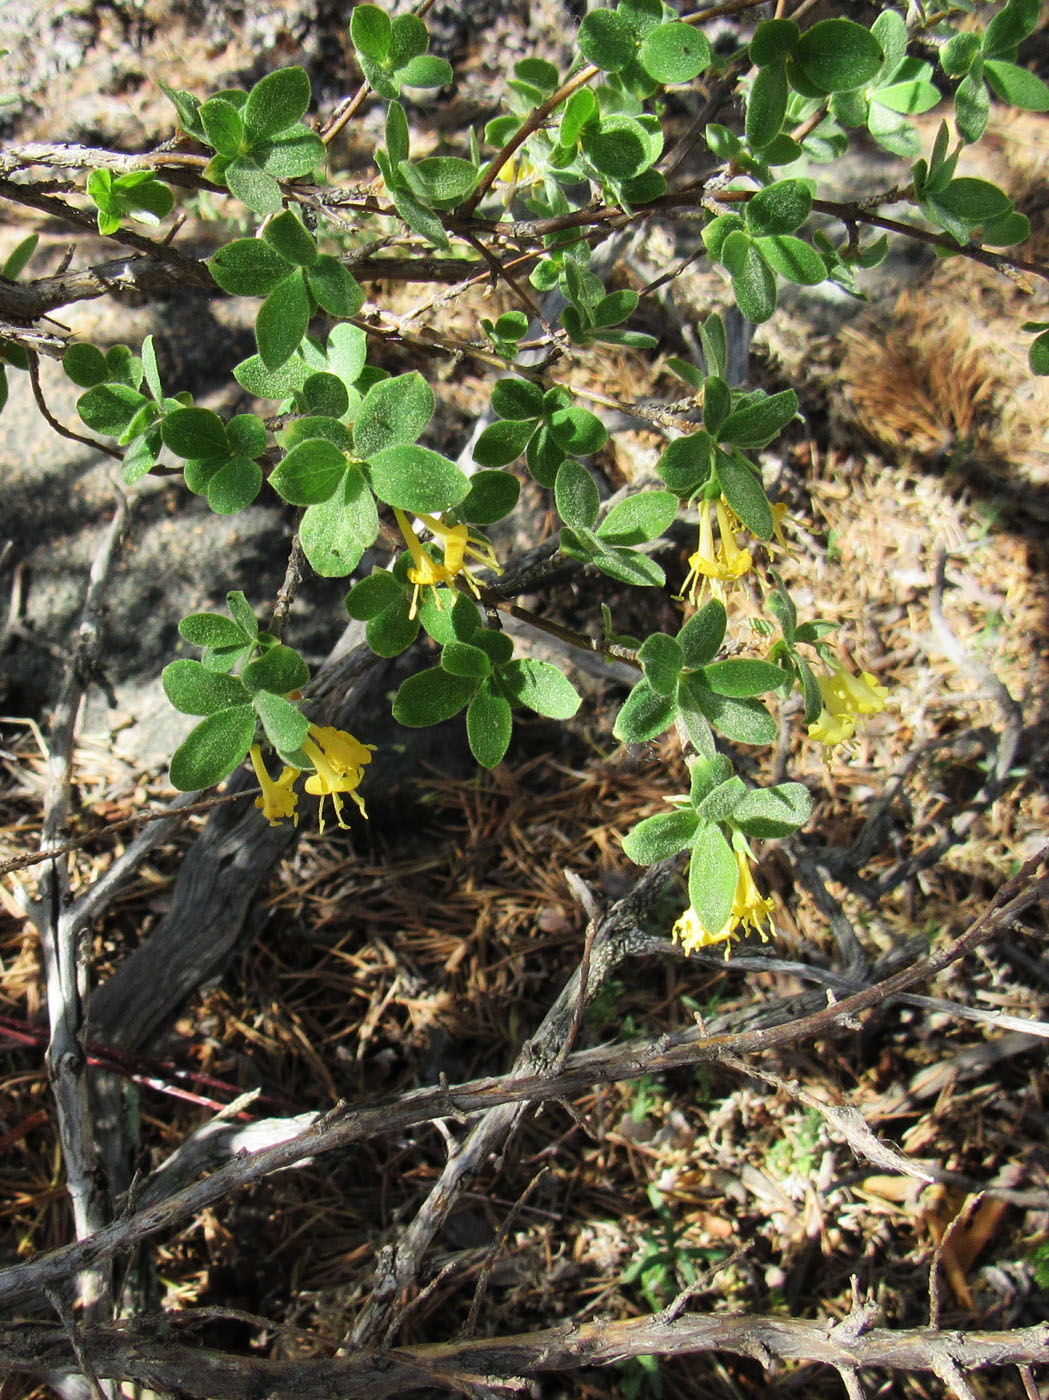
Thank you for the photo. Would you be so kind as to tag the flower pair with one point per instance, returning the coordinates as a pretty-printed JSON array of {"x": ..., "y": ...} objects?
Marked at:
[
  {"x": 456, "y": 545},
  {"x": 338, "y": 766},
  {"x": 845, "y": 698},
  {"x": 750, "y": 911},
  {"x": 713, "y": 566}
]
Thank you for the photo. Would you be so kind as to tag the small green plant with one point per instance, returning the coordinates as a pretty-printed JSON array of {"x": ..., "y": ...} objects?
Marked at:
[{"x": 666, "y": 1264}]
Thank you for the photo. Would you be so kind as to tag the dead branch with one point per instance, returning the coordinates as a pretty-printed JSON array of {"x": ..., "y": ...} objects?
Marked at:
[
  {"x": 148, "y": 1354},
  {"x": 602, "y": 1065}
]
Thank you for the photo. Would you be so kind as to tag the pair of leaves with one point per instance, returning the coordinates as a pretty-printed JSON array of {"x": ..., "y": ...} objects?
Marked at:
[
  {"x": 219, "y": 457},
  {"x": 682, "y": 679},
  {"x": 138, "y": 195},
  {"x": 233, "y": 706},
  {"x": 257, "y": 136},
  {"x": 284, "y": 266},
  {"x": 483, "y": 675},
  {"x": 630, "y": 522},
  {"x": 392, "y": 52},
  {"x": 545, "y": 426},
  {"x": 987, "y": 65},
  {"x": 762, "y": 242},
  {"x": 632, "y": 37}
]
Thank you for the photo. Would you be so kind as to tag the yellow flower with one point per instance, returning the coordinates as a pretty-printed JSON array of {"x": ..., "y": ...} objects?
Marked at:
[
  {"x": 338, "y": 760},
  {"x": 278, "y": 799},
  {"x": 750, "y": 911},
  {"x": 711, "y": 567},
  {"x": 456, "y": 545},
  {"x": 845, "y": 697}
]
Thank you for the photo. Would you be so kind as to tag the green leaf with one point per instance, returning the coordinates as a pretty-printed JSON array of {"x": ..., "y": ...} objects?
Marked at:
[
  {"x": 1011, "y": 25},
  {"x": 284, "y": 725},
  {"x": 326, "y": 395},
  {"x": 618, "y": 146},
  {"x": 85, "y": 365},
  {"x": 334, "y": 289},
  {"x": 310, "y": 472},
  {"x": 489, "y": 725},
  {"x": 712, "y": 876},
  {"x": 773, "y": 41},
  {"x": 768, "y": 813},
  {"x": 745, "y": 493},
  {"x": 251, "y": 374},
  {"x": 195, "y": 432},
  {"x": 544, "y": 455},
  {"x": 455, "y": 620},
  {"x": 151, "y": 370},
  {"x": 253, "y": 186},
  {"x": 395, "y": 411},
  {"x": 779, "y": 208},
  {"x": 497, "y": 646},
  {"x": 517, "y": 399},
  {"x": 373, "y": 595},
  {"x": 686, "y": 462},
  {"x": 336, "y": 532},
  {"x": 1038, "y": 354},
  {"x": 578, "y": 431},
  {"x": 972, "y": 105},
  {"x": 639, "y": 518},
  {"x": 212, "y": 750},
  {"x": 282, "y": 321},
  {"x": 293, "y": 153},
  {"x": 276, "y": 102},
  {"x": 393, "y": 630},
  {"x": 242, "y": 613},
  {"x": 463, "y": 659},
  {"x": 759, "y": 423},
  {"x": 628, "y": 566},
  {"x": 425, "y": 71},
  {"x": 739, "y": 676},
  {"x": 747, "y": 720},
  {"x": 575, "y": 495},
  {"x": 721, "y": 802},
  {"x": 675, "y": 53},
  {"x": 838, "y": 54},
  {"x": 448, "y": 179},
  {"x": 491, "y": 497},
  {"x": 1016, "y": 85},
  {"x": 223, "y": 126},
  {"x": 660, "y": 837},
  {"x": 109, "y": 408},
  {"x": 281, "y": 669},
  {"x": 793, "y": 259},
  {"x": 287, "y": 236},
  {"x": 644, "y": 715},
  {"x": 431, "y": 696},
  {"x": 606, "y": 40},
  {"x": 212, "y": 630},
  {"x": 974, "y": 200},
  {"x": 661, "y": 660},
  {"x": 187, "y": 108},
  {"x": 753, "y": 282},
  {"x": 503, "y": 442},
  {"x": 701, "y": 637},
  {"x": 248, "y": 267},
  {"x": 234, "y": 486},
  {"x": 370, "y": 31},
  {"x": 766, "y": 106},
  {"x": 416, "y": 479},
  {"x": 540, "y": 687},
  {"x": 195, "y": 690},
  {"x": 304, "y": 429}
]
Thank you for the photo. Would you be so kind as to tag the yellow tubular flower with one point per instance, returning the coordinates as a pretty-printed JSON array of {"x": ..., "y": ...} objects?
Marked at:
[
  {"x": 710, "y": 568},
  {"x": 339, "y": 761},
  {"x": 456, "y": 545},
  {"x": 845, "y": 697},
  {"x": 277, "y": 800},
  {"x": 750, "y": 911}
]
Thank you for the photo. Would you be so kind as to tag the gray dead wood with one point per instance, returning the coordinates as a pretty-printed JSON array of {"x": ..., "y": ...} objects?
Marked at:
[{"x": 149, "y": 1353}]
